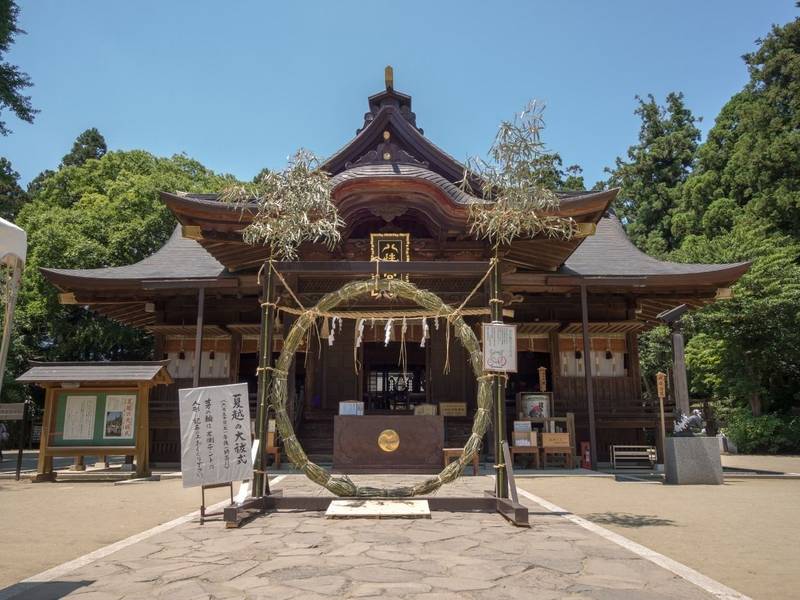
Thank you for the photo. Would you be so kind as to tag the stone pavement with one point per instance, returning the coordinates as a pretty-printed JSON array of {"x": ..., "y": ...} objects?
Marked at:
[{"x": 305, "y": 556}]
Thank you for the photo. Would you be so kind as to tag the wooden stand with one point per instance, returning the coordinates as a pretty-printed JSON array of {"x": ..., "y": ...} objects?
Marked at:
[{"x": 203, "y": 488}]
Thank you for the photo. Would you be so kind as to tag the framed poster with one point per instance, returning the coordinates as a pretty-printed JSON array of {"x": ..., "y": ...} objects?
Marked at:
[
  {"x": 499, "y": 347},
  {"x": 79, "y": 415},
  {"x": 534, "y": 406},
  {"x": 118, "y": 416}
]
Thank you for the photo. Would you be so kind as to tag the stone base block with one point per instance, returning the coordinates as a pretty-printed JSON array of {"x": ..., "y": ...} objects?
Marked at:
[{"x": 692, "y": 460}]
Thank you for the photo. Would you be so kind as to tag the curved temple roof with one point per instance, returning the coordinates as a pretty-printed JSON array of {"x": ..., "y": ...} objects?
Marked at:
[
  {"x": 179, "y": 258},
  {"x": 610, "y": 253},
  {"x": 390, "y": 159}
]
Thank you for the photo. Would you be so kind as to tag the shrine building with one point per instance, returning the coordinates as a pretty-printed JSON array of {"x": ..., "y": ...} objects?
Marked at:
[{"x": 397, "y": 193}]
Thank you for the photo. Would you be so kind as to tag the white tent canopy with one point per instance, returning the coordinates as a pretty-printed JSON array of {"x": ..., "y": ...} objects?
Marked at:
[
  {"x": 13, "y": 250},
  {"x": 13, "y": 243}
]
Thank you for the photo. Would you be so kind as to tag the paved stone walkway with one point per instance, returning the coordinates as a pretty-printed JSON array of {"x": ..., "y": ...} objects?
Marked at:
[{"x": 305, "y": 556}]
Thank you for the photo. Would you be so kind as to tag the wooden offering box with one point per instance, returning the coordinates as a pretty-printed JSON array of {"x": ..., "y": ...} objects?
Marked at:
[{"x": 388, "y": 444}]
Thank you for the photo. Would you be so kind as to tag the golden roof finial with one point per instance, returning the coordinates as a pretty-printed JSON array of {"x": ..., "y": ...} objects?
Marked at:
[{"x": 388, "y": 75}]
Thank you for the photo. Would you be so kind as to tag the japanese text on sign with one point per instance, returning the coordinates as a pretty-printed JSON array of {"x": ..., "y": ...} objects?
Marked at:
[
  {"x": 500, "y": 347},
  {"x": 215, "y": 435}
]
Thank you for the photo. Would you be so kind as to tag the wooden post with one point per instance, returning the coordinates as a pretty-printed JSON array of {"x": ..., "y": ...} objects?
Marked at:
[
  {"x": 45, "y": 466},
  {"x": 260, "y": 480},
  {"x": 661, "y": 386},
  {"x": 142, "y": 432},
  {"x": 498, "y": 392},
  {"x": 235, "y": 357},
  {"x": 587, "y": 371},
  {"x": 198, "y": 337},
  {"x": 679, "y": 384}
]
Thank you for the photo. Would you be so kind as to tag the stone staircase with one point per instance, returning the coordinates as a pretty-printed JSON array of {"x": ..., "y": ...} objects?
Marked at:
[{"x": 316, "y": 435}]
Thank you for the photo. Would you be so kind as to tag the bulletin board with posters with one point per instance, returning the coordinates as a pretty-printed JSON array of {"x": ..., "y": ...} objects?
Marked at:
[{"x": 101, "y": 418}]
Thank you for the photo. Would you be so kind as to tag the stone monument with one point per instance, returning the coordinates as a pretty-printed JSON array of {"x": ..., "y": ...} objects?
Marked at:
[{"x": 690, "y": 456}]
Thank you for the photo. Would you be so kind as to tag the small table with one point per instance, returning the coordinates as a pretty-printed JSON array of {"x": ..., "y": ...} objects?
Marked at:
[
  {"x": 451, "y": 453},
  {"x": 534, "y": 450}
]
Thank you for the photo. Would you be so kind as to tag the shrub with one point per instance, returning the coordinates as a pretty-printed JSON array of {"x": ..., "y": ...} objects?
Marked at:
[{"x": 770, "y": 434}]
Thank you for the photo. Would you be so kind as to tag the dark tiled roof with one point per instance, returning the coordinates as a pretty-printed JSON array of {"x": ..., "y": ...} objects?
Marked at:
[
  {"x": 179, "y": 258},
  {"x": 610, "y": 252},
  {"x": 88, "y": 371}
]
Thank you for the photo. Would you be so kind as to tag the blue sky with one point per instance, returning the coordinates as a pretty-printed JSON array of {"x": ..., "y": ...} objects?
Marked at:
[{"x": 240, "y": 85}]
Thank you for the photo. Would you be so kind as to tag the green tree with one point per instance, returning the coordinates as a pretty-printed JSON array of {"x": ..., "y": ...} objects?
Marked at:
[
  {"x": 747, "y": 348},
  {"x": 656, "y": 167},
  {"x": 751, "y": 159},
  {"x": 12, "y": 196},
  {"x": 89, "y": 144},
  {"x": 104, "y": 212},
  {"x": 12, "y": 80}
]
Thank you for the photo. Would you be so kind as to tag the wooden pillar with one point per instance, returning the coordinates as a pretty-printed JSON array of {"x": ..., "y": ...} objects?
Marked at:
[
  {"x": 142, "y": 431},
  {"x": 260, "y": 479},
  {"x": 555, "y": 365},
  {"x": 235, "y": 357},
  {"x": 45, "y": 466},
  {"x": 198, "y": 337},
  {"x": 587, "y": 371},
  {"x": 680, "y": 386},
  {"x": 498, "y": 392}
]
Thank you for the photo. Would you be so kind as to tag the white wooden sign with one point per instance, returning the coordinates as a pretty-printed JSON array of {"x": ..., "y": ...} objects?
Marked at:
[
  {"x": 215, "y": 434},
  {"x": 499, "y": 347}
]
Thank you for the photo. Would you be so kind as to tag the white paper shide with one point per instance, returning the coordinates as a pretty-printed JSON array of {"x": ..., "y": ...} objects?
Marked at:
[{"x": 215, "y": 434}]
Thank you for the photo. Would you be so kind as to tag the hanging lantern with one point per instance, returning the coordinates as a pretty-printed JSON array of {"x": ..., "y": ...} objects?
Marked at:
[{"x": 609, "y": 354}]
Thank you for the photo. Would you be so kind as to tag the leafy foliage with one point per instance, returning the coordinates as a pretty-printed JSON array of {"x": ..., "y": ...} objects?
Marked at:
[
  {"x": 518, "y": 182},
  {"x": 89, "y": 144},
  {"x": 749, "y": 348},
  {"x": 751, "y": 160},
  {"x": 102, "y": 213},
  {"x": 657, "y": 166},
  {"x": 764, "y": 434},
  {"x": 12, "y": 196},
  {"x": 288, "y": 207},
  {"x": 12, "y": 80},
  {"x": 734, "y": 198}
]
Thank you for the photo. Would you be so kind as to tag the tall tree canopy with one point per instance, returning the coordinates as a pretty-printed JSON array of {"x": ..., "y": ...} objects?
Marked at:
[
  {"x": 734, "y": 198},
  {"x": 12, "y": 80},
  {"x": 12, "y": 196},
  {"x": 89, "y": 144},
  {"x": 104, "y": 212},
  {"x": 751, "y": 159},
  {"x": 655, "y": 169}
]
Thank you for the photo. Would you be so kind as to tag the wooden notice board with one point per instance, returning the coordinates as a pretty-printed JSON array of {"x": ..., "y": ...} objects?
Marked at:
[{"x": 95, "y": 418}]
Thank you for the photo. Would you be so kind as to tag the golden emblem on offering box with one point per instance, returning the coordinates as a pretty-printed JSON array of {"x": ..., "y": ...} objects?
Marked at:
[
  {"x": 390, "y": 247},
  {"x": 388, "y": 440}
]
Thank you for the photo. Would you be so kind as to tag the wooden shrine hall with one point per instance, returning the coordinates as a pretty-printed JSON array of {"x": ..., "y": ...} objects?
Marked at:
[{"x": 398, "y": 196}]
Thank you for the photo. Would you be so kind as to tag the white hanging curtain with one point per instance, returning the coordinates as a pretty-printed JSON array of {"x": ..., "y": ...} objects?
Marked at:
[{"x": 13, "y": 251}]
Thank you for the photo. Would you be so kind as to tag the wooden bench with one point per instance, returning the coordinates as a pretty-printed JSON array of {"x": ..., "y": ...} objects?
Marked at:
[
  {"x": 633, "y": 457},
  {"x": 558, "y": 444},
  {"x": 454, "y": 453}
]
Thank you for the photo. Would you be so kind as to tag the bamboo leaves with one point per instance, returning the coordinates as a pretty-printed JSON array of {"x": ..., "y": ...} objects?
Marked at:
[
  {"x": 518, "y": 203},
  {"x": 288, "y": 207}
]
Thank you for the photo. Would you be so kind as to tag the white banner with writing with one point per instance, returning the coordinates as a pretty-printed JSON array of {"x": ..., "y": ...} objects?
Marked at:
[{"x": 215, "y": 434}]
